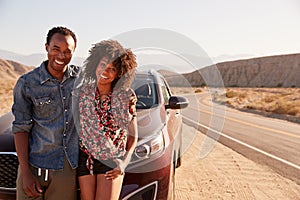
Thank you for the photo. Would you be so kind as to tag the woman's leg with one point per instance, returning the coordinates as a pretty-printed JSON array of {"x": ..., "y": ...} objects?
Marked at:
[
  {"x": 108, "y": 189},
  {"x": 87, "y": 184}
]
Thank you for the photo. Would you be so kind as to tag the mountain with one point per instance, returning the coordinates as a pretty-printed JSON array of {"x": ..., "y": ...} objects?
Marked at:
[
  {"x": 176, "y": 63},
  {"x": 270, "y": 71},
  {"x": 9, "y": 73},
  {"x": 33, "y": 59},
  {"x": 11, "y": 70},
  {"x": 182, "y": 63},
  {"x": 227, "y": 57}
]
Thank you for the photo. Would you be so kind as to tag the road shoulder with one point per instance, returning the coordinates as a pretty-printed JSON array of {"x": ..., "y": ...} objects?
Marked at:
[{"x": 226, "y": 174}]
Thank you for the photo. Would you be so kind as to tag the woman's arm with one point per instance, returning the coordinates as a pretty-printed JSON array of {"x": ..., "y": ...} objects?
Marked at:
[
  {"x": 132, "y": 138},
  {"x": 130, "y": 146},
  {"x": 131, "y": 141}
]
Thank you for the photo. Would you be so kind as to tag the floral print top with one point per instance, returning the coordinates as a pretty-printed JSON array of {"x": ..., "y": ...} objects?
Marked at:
[{"x": 103, "y": 133}]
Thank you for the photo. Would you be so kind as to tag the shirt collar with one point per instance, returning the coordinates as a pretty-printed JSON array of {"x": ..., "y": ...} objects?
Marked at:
[{"x": 72, "y": 71}]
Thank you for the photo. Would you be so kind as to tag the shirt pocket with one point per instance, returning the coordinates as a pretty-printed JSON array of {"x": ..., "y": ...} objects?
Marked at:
[{"x": 45, "y": 106}]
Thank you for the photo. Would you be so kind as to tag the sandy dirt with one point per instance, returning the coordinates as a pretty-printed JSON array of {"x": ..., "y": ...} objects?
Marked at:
[{"x": 225, "y": 174}]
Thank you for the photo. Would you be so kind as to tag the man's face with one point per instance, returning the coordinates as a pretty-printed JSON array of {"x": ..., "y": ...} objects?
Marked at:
[{"x": 60, "y": 51}]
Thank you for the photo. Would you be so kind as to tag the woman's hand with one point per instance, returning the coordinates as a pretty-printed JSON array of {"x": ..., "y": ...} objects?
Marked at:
[{"x": 116, "y": 172}]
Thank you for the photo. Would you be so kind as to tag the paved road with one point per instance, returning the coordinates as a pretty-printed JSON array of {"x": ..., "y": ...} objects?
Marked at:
[
  {"x": 269, "y": 141},
  {"x": 227, "y": 175}
]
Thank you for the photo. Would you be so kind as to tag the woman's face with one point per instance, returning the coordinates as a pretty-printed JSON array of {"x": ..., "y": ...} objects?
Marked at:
[{"x": 105, "y": 72}]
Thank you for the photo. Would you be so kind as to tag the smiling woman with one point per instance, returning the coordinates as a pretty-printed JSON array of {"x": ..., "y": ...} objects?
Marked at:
[{"x": 108, "y": 126}]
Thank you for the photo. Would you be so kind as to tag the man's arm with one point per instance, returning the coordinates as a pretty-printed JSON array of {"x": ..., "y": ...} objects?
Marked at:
[{"x": 31, "y": 185}]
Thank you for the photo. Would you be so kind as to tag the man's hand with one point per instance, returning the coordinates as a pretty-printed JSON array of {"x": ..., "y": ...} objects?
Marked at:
[{"x": 31, "y": 186}]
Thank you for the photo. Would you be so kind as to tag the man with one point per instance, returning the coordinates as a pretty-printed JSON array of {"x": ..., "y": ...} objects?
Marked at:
[{"x": 45, "y": 136}]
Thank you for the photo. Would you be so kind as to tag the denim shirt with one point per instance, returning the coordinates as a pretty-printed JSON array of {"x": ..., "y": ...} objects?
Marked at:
[{"x": 43, "y": 108}]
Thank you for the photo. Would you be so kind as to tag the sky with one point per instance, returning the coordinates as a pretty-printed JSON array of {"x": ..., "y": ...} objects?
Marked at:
[{"x": 241, "y": 28}]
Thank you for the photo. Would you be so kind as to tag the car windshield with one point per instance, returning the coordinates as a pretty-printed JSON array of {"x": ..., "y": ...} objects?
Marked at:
[{"x": 145, "y": 90}]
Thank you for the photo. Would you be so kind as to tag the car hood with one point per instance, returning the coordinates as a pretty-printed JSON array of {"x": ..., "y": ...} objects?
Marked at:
[{"x": 150, "y": 120}]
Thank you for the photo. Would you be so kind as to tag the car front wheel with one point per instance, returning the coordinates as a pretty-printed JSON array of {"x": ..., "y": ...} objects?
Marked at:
[{"x": 171, "y": 195}]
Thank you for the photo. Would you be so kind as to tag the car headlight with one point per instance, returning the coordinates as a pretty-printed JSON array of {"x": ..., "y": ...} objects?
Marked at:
[{"x": 149, "y": 147}]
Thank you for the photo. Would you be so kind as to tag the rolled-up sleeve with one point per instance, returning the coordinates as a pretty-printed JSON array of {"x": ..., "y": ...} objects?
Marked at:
[{"x": 22, "y": 108}]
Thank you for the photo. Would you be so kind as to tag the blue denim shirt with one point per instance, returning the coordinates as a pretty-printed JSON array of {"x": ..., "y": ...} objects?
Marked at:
[{"x": 43, "y": 107}]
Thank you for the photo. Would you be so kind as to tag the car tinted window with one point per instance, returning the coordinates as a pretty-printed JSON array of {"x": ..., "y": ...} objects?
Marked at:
[
  {"x": 165, "y": 90},
  {"x": 145, "y": 91}
]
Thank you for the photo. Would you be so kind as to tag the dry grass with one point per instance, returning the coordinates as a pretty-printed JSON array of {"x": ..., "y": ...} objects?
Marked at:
[
  {"x": 274, "y": 100},
  {"x": 283, "y": 103}
]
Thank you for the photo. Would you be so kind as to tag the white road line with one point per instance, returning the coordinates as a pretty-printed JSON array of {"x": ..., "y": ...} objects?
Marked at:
[{"x": 246, "y": 145}]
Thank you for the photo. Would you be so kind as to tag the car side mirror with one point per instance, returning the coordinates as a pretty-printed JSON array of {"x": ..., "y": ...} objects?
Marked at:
[{"x": 177, "y": 102}]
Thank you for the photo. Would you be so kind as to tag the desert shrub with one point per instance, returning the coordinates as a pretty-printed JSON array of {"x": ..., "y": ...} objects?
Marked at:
[
  {"x": 269, "y": 99},
  {"x": 198, "y": 90},
  {"x": 293, "y": 111},
  {"x": 279, "y": 84},
  {"x": 250, "y": 107},
  {"x": 276, "y": 108},
  {"x": 283, "y": 101},
  {"x": 279, "y": 107},
  {"x": 228, "y": 102},
  {"x": 243, "y": 95},
  {"x": 231, "y": 94}
]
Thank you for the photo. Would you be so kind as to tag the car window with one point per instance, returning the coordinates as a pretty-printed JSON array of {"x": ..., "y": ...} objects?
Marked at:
[
  {"x": 165, "y": 90},
  {"x": 145, "y": 91}
]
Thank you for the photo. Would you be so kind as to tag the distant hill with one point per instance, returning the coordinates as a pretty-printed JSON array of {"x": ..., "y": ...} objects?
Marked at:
[
  {"x": 270, "y": 71},
  {"x": 33, "y": 59},
  {"x": 11, "y": 70},
  {"x": 169, "y": 60}
]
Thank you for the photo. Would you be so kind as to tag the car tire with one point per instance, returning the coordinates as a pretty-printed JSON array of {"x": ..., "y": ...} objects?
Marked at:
[
  {"x": 178, "y": 156},
  {"x": 178, "y": 160},
  {"x": 171, "y": 195}
]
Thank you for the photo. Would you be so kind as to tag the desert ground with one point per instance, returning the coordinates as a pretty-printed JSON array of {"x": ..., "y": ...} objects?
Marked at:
[
  {"x": 223, "y": 173},
  {"x": 226, "y": 174}
]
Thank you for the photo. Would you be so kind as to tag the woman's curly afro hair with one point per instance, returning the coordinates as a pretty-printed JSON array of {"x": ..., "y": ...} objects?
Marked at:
[{"x": 123, "y": 60}]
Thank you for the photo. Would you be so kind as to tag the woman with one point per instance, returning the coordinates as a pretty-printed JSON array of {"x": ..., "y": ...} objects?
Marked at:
[{"x": 108, "y": 127}]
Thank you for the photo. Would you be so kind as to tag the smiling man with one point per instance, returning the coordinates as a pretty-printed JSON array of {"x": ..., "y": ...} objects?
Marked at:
[{"x": 45, "y": 136}]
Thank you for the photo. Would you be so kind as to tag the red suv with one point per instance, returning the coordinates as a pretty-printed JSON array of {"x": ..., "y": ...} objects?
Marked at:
[{"x": 151, "y": 173}]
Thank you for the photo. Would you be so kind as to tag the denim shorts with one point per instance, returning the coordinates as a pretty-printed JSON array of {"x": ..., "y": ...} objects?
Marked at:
[{"x": 99, "y": 167}]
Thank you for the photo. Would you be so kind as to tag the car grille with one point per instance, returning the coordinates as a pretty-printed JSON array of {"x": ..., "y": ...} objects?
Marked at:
[{"x": 8, "y": 170}]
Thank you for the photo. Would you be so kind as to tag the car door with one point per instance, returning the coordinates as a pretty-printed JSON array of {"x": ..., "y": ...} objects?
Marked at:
[{"x": 173, "y": 115}]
